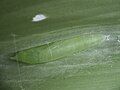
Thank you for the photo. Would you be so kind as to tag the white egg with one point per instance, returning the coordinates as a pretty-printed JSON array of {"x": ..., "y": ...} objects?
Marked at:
[{"x": 39, "y": 17}]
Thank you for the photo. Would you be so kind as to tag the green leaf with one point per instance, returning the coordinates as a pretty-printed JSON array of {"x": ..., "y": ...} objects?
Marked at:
[{"x": 90, "y": 68}]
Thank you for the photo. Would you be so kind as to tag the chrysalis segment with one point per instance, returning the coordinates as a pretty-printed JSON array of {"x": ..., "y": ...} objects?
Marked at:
[{"x": 59, "y": 49}]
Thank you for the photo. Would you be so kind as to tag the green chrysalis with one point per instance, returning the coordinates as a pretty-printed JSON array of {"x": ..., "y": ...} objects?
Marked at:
[{"x": 59, "y": 49}]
